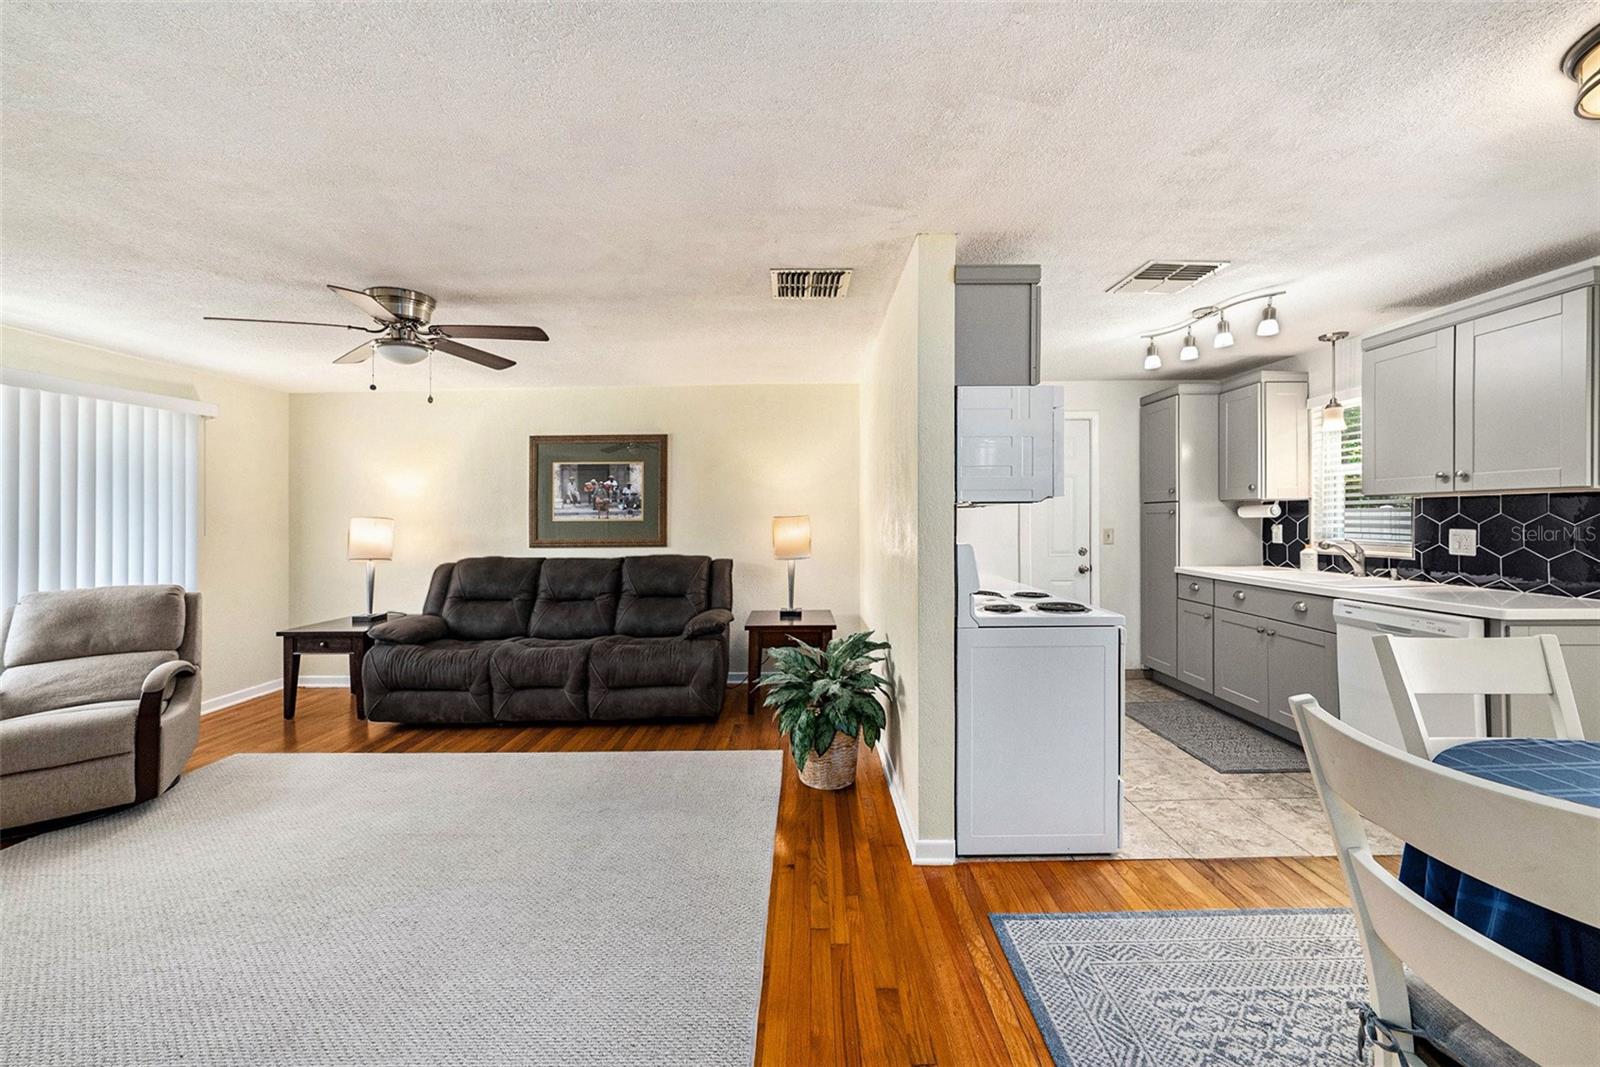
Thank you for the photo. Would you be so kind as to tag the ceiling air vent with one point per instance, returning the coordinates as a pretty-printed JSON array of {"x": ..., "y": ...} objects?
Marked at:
[
  {"x": 810, "y": 284},
  {"x": 1168, "y": 276}
]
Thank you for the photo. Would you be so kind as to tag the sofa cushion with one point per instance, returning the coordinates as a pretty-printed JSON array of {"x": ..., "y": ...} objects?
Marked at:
[
  {"x": 577, "y": 598},
  {"x": 534, "y": 679},
  {"x": 39, "y": 687},
  {"x": 491, "y": 597},
  {"x": 654, "y": 677},
  {"x": 71, "y": 623},
  {"x": 446, "y": 665},
  {"x": 70, "y": 735},
  {"x": 660, "y": 594}
]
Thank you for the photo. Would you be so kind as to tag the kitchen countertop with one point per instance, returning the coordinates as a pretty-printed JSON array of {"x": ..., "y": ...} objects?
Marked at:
[{"x": 1498, "y": 604}]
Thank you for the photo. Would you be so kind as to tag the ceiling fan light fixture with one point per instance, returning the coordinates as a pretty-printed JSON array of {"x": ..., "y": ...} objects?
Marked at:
[
  {"x": 1191, "y": 349},
  {"x": 1582, "y": 65},
  {"x": 1268, "y": 326},
  {"x": 403, "y": 351}
]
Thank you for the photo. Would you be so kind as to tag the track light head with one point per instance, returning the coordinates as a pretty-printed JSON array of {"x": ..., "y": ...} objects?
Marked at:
[
  {"x": 1190, "y": 349},
  {"x": 1152, "y": 356},
  {"x": 1268, "y": 326},
  {"x": 1224, "y": 338}
]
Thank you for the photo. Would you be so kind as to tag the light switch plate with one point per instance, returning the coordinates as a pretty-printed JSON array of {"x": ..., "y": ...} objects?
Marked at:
[
  {"x": 1463, "y": 542},
  {"x": 1108, "y": 536},
  {"x": 1277, "y": 533}
]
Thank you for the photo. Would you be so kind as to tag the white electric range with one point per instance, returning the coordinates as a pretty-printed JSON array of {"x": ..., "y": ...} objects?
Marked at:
[{"x": 1039, "y": 698}]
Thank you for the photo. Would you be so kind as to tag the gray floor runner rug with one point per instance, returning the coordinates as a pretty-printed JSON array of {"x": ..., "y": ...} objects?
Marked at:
[
  {"x": 1217, "y": 739},
  {"x": 564, "y": 909},
  {"x": 1155, "y": 989}
]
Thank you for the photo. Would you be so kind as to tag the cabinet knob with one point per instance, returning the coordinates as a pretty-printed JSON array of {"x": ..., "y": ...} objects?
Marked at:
[
  {"x": 1172, "y": 511},
  {"x": 1252, "y": 487},
  {"x": 1207, "y": 615},
  {"x": 1463, "y": 476},
  {"x": 1301, "y": 606},
  {"x": 1272, "y": 633},
  {"x": 1172, "y": 489},
  {"x": 1443, "y": 476},
  {"x": 1261, "y": 629},
  {"x": 1238, "y": 594}
]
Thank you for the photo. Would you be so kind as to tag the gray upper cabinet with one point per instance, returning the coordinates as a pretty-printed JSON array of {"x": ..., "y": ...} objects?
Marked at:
[
  {"x": 1524, "y": 419},
  {"x": 997, "y": 325},
  {"x": 1158, "y": 451},
  {"x": 1158, "y": 599},
  {"x": 1264, "y": 437},
  {"x": 1496, "y": 394},
  {"x": 1407, "y": 411}
]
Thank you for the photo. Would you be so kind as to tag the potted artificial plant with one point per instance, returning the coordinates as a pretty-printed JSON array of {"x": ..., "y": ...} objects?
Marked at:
[{"x": 823, "y": 698}]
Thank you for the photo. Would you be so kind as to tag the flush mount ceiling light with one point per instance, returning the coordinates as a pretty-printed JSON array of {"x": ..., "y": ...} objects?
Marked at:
[
  {"x": 1333, "y": 411},
  {"x": 403, "y": 350},
  {"x": 1152, "y": 356},
  {"x": 1268, "y": 327},
  {"x": 1582, "y": 65}
]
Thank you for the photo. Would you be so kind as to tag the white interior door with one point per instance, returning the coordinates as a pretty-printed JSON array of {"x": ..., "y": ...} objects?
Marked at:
[{"x": 1059, "y": 550}]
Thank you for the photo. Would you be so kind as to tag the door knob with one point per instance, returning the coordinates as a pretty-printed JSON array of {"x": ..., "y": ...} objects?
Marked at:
[
  {"x": 1082, "y": 551},
  {"x": 1084, "y": 568}
]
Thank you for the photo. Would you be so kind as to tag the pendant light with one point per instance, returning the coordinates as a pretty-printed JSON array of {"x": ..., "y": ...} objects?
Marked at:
[
  {"x": 1268, "y": 326},
  {"x": 1224, "y": 338},
  {"x": 1152, "y": 356},
  {"x": 1190, "y": 349},
  {"x": 1333, "y": 411}
]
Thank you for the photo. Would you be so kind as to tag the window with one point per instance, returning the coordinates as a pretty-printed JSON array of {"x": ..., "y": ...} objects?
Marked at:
[
  {"x": 1381, "y": 524},
  {"x": 95, "y": 489}
]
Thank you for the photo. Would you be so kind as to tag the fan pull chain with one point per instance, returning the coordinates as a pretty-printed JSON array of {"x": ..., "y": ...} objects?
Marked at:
[
  {"x": 430, "y": 375},
  {"x": 372, "y": 365}
]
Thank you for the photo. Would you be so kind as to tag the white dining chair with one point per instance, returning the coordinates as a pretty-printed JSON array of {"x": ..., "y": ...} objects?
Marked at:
[
  {"x": 1475, "y": 999},
  {"x": 1476, "y": 666}
]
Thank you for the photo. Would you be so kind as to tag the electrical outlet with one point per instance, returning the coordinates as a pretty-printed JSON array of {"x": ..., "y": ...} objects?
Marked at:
[
  {"x": 1463, "y": 542},
  {"x": 1277, "y": 533},
  {"x": 1108, "y": 536}
]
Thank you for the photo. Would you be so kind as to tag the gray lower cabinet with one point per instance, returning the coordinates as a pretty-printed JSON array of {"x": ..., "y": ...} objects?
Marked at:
[
  {"x": 1241, "y": 653},
  {"x": 1158, "y": 600},
  {"x": 1580, "y": 650},
  {"x": 1301, "y": 660},
  {"x": 1194, "y": 645}
]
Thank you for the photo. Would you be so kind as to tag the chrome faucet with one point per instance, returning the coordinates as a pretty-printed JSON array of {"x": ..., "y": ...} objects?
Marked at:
[{"x": 1355, "y": 554}]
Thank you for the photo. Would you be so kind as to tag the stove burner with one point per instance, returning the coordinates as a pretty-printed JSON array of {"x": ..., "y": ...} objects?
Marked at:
[
  {"x": 1060, "y": 607},
  {"x": 1002, "y": 609},
  {"x": 1029, "y": 594},
  {"x": 984, "y": 592}
]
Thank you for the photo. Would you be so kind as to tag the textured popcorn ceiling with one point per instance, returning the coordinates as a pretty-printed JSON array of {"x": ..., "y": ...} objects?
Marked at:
[{"x": 625, "y": 175}]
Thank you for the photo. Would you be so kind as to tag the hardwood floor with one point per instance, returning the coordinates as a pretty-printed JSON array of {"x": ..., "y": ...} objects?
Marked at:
[{"x": 869, "y": 960}]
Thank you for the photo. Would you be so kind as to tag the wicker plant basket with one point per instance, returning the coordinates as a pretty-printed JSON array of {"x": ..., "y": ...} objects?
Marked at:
[{"x": 835, "y": 768}]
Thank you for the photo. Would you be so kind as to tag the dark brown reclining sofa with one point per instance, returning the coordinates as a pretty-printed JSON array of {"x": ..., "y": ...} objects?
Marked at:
[{"x": 509, "y": 639}]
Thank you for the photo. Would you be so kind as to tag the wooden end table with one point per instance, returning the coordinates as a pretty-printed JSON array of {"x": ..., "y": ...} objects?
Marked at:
[
  {"x": 766, "y": 630},
  {"x": 335, "y": 637}
]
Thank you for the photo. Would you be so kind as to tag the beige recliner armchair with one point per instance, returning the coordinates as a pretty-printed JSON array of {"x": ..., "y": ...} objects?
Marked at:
[{"x": 99, "y": 698}]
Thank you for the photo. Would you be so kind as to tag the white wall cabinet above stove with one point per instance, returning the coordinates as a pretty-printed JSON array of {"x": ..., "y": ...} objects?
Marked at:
[
  {"x": 1008, "y": 444},
  {"x": 1501, "y": 393}
]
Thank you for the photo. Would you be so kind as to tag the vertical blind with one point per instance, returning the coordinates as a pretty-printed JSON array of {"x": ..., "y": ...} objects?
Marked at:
[
  {"x": 1338, "y": 507},
  {"x": 95, "y": 492}
]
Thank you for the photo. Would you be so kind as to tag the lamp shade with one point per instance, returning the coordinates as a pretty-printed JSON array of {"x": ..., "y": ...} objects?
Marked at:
[
  {"x": 371, "y": 538},
  {"x": 791, "y": 536}
]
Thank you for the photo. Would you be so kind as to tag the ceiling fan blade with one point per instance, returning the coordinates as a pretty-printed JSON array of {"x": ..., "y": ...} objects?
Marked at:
[
  {"x": 474, "y": 355},
  {"x": 502, "y": 333},
  {"x": 366, "y": 303},
  {"x": 359, "y": 354},
  {"x": 288, "y": 322}
]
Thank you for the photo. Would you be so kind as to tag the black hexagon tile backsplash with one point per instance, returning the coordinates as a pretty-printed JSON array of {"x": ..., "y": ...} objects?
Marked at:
[{"x": 1529, "y": 542}]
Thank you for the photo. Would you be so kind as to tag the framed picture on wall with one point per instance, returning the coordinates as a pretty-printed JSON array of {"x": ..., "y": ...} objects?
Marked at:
[{"x": 597, "y": 490}]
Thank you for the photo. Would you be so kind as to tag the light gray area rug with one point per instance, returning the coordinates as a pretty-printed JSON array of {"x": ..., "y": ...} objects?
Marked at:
[
  {"x": 1217, "y": 739},
  {"x": 563, "y": 909},
  {"x": 1190, "y": 988}
]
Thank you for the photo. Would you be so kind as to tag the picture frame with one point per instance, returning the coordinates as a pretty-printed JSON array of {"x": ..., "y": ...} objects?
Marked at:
[{"x": 597, "y": 491}]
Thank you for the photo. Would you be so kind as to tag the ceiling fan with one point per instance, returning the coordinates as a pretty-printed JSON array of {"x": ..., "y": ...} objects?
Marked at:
[{"x": 404, "y": 332}]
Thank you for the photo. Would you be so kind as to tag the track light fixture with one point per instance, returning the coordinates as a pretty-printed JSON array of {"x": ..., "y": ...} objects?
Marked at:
[
  {"x": 1152, "y": 356},
  {"x": 1267, "y": 327}
]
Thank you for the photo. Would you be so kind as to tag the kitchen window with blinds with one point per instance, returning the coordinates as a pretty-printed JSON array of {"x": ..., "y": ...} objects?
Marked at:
[
  {"x": 96, "y": 488},
  {"x": 1339, "y": 510}
]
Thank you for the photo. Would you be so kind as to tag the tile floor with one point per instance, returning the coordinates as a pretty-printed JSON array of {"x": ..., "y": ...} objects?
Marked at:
[{"x": 1176, "y": 806}]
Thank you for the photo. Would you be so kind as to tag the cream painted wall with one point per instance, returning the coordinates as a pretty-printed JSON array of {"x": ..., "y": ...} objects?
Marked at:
[
  {"x": 454, "y": 476},
  {"x": 244, "y": 545},
  {"x": 908, "y": 532}
]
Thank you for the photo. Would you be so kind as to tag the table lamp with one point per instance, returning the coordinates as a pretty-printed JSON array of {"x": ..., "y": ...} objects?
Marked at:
[
  {"x": 371, "y": 539},
  {"x": 791, "y": 540}
]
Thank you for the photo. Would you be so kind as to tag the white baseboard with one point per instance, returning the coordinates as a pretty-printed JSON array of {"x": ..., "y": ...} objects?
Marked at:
[
  {"x": 924, "y": 851},
  {"x": 239, "y": 696},
  {"x": 324, "y": 681}
]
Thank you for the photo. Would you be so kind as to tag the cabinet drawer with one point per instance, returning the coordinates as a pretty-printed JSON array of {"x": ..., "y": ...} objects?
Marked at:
[
  {"x": 318, "y": 645},
  {"x": 1298, "y": 608},
  {"x": 1196, "y": 589}
]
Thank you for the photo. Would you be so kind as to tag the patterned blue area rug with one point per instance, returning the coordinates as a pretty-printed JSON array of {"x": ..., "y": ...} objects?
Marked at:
[{"x": 1190, "y": 988}]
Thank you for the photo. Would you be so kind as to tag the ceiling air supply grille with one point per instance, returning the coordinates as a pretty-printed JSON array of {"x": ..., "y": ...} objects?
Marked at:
[
  {"x": 810, "y": 284},
  {"x": 1168, "y": 276}
]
